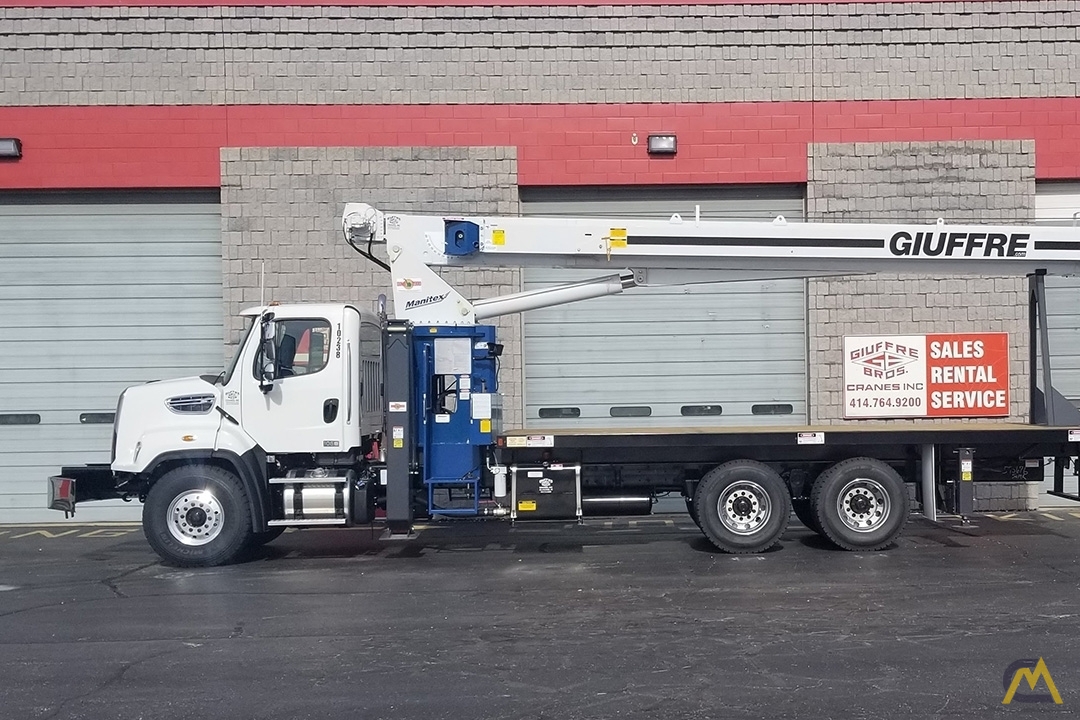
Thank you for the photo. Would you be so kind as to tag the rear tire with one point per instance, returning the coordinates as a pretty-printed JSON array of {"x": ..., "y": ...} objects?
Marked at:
[
  {"x": 197, "y": 516},
  {"x": 742, "y": 506},
  {"x": 860, "y": 504}
]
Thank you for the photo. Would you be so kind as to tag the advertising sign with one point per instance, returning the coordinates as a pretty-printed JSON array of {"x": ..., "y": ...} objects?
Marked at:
[{"x": 940, "y": 375}]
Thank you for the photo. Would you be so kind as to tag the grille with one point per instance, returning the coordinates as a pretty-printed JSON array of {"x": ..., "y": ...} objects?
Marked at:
[{"x": 191, "y": 403}]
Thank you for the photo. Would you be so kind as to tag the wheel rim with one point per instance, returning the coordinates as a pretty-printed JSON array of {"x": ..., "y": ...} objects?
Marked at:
[
  {"x": 196, "y": 517},
  {"x": 744, "y": 507},
  {"x": 863, "y": 505}
]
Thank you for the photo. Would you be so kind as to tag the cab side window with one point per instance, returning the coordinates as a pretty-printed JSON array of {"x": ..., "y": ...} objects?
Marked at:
[{"x": 301, "y": 347}]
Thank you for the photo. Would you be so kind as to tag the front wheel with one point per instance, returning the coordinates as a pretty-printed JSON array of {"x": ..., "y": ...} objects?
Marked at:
[
  {"x": 197, "y": 516},
  {"x": 742, "y": 506},
  {"x": 860, "y": 504}
]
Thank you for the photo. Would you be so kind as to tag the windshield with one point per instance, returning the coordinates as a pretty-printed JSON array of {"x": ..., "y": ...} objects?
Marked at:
[{"x": 227, "y": 375}]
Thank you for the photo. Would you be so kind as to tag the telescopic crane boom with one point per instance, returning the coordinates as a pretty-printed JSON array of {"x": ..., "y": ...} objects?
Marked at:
[{"x": 678, "y": 252}]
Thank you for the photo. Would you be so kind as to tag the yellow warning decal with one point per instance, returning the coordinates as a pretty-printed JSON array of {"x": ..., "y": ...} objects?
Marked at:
[
  {"x": 485, "y": 426},
  {"x": 526, "y": 505},
  {"x": 498, "y": 237},
  {"x": 399, "y": 443},
  {"x": 617, "y": 237}
]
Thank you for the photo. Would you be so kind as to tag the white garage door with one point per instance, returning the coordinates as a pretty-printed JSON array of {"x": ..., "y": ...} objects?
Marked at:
[
  {"x": 95, "y": 295},
  {"x": 704, "y": 355},
  {"x": 1059, "y": 204}
]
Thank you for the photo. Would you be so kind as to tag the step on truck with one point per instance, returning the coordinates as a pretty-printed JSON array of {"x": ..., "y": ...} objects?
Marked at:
[{"x": 333, "y": 415}]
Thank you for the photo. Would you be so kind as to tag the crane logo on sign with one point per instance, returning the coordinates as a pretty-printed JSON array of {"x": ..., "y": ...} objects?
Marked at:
[
  {"x": 943, "y": 375},
  {"x": 884, "y": 359}
]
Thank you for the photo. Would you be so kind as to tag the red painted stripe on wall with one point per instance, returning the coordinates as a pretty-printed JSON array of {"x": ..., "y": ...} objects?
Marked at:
[
  {"x": 429, "y": 3},
  {"x": 178, "y": 146}
]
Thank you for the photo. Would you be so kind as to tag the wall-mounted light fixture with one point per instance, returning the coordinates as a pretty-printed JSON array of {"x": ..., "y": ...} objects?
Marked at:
[
  {"x": 662, "y": 145},
  {"x": 10, "y": 148}
]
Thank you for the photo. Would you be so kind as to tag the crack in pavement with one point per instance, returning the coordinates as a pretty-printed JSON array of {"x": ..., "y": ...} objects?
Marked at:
[
  {"x": 108, "y": 682},
  {"x": 111, "y": 582}
]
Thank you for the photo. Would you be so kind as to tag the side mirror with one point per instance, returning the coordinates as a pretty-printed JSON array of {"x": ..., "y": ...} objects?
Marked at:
[{"x": 266, "y": 359}]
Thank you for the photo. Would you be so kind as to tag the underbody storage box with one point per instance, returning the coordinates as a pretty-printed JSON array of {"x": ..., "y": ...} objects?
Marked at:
[{"x": 545, "y": 492}]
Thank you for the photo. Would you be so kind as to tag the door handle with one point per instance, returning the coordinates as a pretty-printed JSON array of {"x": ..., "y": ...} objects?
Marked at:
[{"x": 329, "y": 410}]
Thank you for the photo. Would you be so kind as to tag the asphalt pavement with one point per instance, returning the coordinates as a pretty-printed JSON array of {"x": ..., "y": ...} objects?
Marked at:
[{"x": 613, "y": 619}]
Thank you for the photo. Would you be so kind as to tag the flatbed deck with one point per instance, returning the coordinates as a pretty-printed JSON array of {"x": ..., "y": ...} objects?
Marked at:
[{"x": 893, "y": 442}]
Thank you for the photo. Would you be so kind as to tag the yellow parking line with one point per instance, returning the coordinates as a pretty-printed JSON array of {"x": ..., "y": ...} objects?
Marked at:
[
  {"x": 1052, "y": 517},
  {"x": 47, "y": 534},
  {"x": 109, "y": 532}
]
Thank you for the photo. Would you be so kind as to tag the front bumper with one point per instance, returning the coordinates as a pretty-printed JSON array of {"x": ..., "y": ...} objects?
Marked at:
[{"x": 81, "y": 484}]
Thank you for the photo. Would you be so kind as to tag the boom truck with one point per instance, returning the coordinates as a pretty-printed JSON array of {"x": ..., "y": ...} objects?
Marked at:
[{"x": 329, "y": 414}]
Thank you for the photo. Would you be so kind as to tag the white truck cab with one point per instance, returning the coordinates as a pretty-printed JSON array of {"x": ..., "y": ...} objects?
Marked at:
[{"x": 312, "y": 366}]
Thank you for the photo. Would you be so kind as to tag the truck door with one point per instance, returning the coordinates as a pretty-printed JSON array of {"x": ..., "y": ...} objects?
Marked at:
[{"x": 304, "y": 408}]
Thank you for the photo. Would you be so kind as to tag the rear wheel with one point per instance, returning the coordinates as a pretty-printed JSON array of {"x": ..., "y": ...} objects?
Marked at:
[
  {"x": 742, "y": 506},
  {"x": 197, "y": 516},
  {"x": 860, "y": 504}
]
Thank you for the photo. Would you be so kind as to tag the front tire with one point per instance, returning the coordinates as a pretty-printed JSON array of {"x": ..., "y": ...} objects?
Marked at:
[
  {"x": 197, "y": 516},
  {"x": 860, "y": 504},
  {"x": 742, "y": 506}
]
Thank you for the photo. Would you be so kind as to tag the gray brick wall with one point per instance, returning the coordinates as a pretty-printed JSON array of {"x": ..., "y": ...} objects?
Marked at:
[
  {"x": 980, "y": 182},
  {"x": 282, "y": 207},
  {"x": 539, "y": 54},
  {"x": 994, "y": 496}
]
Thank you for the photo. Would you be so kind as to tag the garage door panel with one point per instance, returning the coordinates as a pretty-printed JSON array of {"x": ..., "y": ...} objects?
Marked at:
[
  {"x": 666, "y": 314},
  {"x": 711, "y": 333},
  {"x": 96, "y": 296},
  {"x": 68, "y": 221},
  {"x": 543, "y": 350},
  {"x": 669, "y": 415},
  {"x": 94, "y": 270},
  {"x": 58, "y": 396},
  {"x": 90, "y": 354},
  {"x": 1055, "y": 204},
  {"x": 678, "y": 369},
  {"x": 111, "y": 312},
  {"x": 733, "y": 345},
  {"x": 98, "y": 293},
  {"x": 125, "y": 375},
  {"x": 671, "y": 388},
  {"x": 69, "y": 253},
  {"x": 77, "y": 451},
  {"x": 98, "y": 333}
]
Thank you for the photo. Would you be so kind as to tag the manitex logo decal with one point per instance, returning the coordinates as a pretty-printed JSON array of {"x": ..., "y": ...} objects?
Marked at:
[
  {"x": 1030, "y": 671},
  {"x": 884, "y": 359},
  {"x": 429, "y": 300}
]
